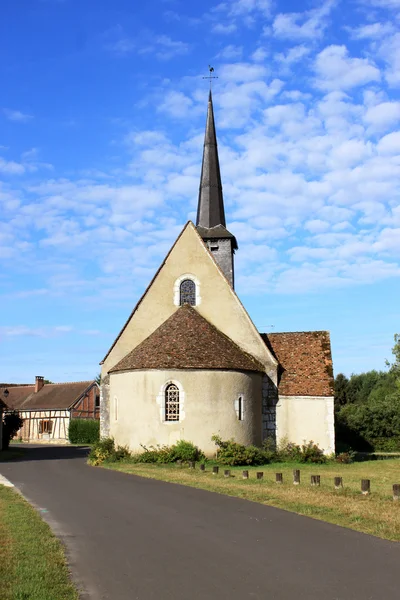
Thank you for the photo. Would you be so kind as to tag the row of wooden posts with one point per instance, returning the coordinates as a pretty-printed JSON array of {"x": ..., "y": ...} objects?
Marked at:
[{"x": 315, "y": 479}]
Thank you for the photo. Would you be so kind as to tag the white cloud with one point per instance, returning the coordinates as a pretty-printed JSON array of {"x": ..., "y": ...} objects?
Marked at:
[
  {"x": 336, "y": 70},
  {"x": 390, "y": 52},
  {"x": 17, "y": 115},
  {"x": 10, "y": 167},
  {"x": 371, "y": 31},
  {"x": 390, "y": 143},
  {"x": 176, "y": 104},
  {"x": 239, "y": 72},
  {"x": 260, "y": 54},
  {"x": 292, "y": 56},
  {"x": 383, "y": 115},
  {"x": 303, "y": 25},
  {"x": 164, "y": 48},
  {"x": 230, "y": 52},
  {"x": 224, "y": 29},
  {"x": 24, "y": 331}
]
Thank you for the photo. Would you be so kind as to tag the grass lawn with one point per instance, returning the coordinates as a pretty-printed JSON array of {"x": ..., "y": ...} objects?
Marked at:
[
  {"x": 376, "y": 514},
  {"x": 32, "y": 561}
]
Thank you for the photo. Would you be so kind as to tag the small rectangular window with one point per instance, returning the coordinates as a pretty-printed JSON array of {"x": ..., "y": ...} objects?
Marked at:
[
  {"x": 239, "y": 407},
  {"x": 116, "y": 408},
  {"x": 45, "y": 426},
  {"x": 97, "y": 402}
]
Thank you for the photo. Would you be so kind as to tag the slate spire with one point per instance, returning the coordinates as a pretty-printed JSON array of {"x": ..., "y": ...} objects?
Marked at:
[
  {"x": 210, "y": 210},
  {"x": 210, "y": 222}
]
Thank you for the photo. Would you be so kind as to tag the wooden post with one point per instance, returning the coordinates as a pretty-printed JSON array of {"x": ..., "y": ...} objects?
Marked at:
[
  {"x": 315, "y": 479},
  {"x": 396, "y": 491},
  {"x": 202, "y": 467},
  {"x": 192, "y": 464},
  {"x": 260, "y": 475},
  {"x": 365, "y": 486},
  {"x": 279, "y": 477},
  {"x": 296, "y": 476},
  {"x": 227, "y": 473},
  {"x": 338, "y": 481},
  {"x": 245, "y": 474},
  {"x": 215, "y": 470}
]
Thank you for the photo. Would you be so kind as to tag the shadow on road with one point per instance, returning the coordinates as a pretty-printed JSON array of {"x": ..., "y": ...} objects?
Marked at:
[{"x": 26, "y": 452}]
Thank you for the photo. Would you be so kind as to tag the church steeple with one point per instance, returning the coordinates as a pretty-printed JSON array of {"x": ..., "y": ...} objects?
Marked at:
[
  {"x": 210, "y": 221},
  {"x": 210, "y": 211}
]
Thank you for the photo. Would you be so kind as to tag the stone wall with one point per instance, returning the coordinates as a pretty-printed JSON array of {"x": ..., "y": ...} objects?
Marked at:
[
  {"x": 269, "y": 402},
  {"x": 105, "y": 407}
]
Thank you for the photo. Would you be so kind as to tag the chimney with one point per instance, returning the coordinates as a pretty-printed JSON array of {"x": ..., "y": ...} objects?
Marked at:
[{"x": 39, "y": 383}]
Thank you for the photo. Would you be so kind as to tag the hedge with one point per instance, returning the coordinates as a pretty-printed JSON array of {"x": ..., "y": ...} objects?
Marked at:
[{"x": 84, "y": 431}]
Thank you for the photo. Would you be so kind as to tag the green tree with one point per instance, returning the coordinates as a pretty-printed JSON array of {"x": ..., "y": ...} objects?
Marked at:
[
  {"x": 12, "y": 423},
  {"x": 341, "y": 385}
]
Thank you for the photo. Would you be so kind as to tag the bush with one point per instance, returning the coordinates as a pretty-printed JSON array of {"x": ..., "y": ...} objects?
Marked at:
[
  {"x": 346, "y": 458},
  {"x": 288, "y": 451},
  {"x": 182, "y": 450},
  {"x": 101, "y": 451},
  {"x": 106, "y": 451},
  {"x": 84, "y": 431},
  {"x": 311, "y": 453},
  {"x": 233, "y": 454},
  {"x": 12, "y": 422}
]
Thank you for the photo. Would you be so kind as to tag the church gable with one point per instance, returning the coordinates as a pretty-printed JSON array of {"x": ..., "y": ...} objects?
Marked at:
[{"x": 190, "y": 261}]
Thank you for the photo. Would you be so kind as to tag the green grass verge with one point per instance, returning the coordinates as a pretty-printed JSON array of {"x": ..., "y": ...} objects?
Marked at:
[
  {"x": 376, "y": 514},
  {"x": 32, "y": 560}
]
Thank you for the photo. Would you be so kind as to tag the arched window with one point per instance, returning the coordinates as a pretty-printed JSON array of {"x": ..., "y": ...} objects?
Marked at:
[
  {"x": 172, "y": 402},
  {"x": 187, "y": 292}
]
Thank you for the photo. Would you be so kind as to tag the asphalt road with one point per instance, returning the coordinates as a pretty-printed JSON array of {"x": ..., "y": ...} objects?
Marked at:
[{"x": 130, "y": 538}]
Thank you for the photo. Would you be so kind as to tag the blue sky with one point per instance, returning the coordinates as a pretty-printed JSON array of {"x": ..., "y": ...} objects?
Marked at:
[{"x": 102, "y": 114}]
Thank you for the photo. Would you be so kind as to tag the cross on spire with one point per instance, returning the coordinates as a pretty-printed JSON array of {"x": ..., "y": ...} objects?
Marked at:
[{"x": 210, "y": 77}]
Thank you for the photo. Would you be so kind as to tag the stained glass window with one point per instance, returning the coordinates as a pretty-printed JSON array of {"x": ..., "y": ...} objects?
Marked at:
[
  {"x": 172, "y": 403},
  {"x": 187, "y": 292}
]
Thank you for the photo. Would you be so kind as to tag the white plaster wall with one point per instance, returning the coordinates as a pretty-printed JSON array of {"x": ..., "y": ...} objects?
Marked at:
[
  {"x": 219, "y": 304},
  {"x": 306, "y": 418},
  {"x": 209, "y": 402}
]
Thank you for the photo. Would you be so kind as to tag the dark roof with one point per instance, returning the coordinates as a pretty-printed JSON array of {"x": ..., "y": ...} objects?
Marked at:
[
  {"x": 217, "y": 232},
  {"x": 51, "y": 396},
  {"x": 188, "y": 341},
  {"x": 305, "y": 362},
  {"x": 210, "y": 210}
]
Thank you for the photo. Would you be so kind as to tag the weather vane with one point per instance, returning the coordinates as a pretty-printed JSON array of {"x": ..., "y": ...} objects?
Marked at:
[{"x": 210, "y": 77}]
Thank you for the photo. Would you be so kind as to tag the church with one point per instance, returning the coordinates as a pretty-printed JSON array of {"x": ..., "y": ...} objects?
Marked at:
[{"x": 189, "y": 362}]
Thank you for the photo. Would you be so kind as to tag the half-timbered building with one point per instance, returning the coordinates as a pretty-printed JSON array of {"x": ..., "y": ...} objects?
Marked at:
[{"x": 47, "y": 408}]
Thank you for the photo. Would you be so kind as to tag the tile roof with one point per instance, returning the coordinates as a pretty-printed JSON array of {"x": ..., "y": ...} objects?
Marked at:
[
  {"x": 51, "y": 396},
  {"x": 305, "y": 362},
  {"x": 188, "y": 341}
]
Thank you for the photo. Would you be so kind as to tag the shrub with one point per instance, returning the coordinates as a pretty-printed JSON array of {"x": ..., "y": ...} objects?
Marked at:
[
  {"x": 106, "y": 451},
  {"x": 346, "y": 458},
  {"x": 311, "y": 453},
  {"x": 12, "y": 422},
  {"x": 288, "y": 451},
  {"x": 182, "y": 450},
  {"x": 84, "y": 431},
  {"x": 231, "y": 453},
  {"x": 102, "y": 450}
]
